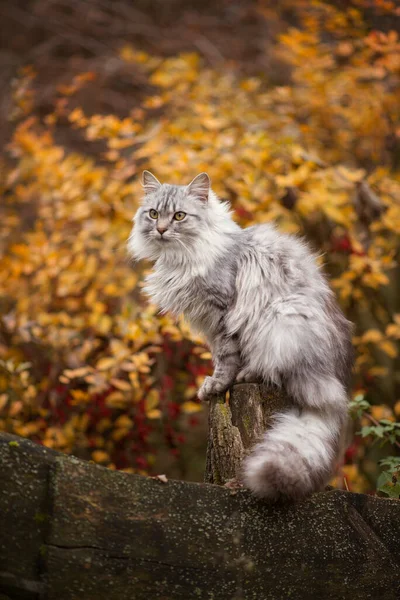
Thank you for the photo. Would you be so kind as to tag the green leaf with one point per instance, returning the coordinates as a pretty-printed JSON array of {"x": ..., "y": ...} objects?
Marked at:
[
  {"x": 390, "y": 489},
  {"x": 367, "y": 430},
  {"x": 383, "y": 479},
  {"x": 393, "y": 462},
  {"x": 359, "y": 405}
]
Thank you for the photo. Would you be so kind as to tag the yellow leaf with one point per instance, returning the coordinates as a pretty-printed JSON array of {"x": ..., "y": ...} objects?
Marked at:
[
  {"x": 128, "y": 366},
  {"x": 190, "y": 392},
  {"x": 121, "y": 384},
  {"x": 3, "y": 400},
  {"x": 374, "y": 280},
  {"x": 75, "y": 373},
  {"x": 116, "y": 400},
  {"x": 214, "y": 123},
  {"x": 154, "y": 414},
  {"x": 351, "y": 175},
  {"x": 190, "y": 407},
  {"x": 103, "y": 424},
  {"x": 105, "y": 363},
  {"x": 124, "y": 421},
  {"x": 79, "y": 396},
  {"x": 372, "y": 335},
  {"x": 199, "y": 350},
  {"x": 104, "y": 324},
  {"x": 337, "y": 214},
  {"x": 294, "y": 178},
  {"x": 151, "y": 400},
  {"x": 378, "y": 371},
  {"x": 393, "y": 330},
  {"x": 133, "y": 378},
  {"x": 389, "y": 348},
  {"x": 118, "y": 434}
]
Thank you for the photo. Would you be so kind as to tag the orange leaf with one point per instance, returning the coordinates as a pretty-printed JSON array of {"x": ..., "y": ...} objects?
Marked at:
[{"x": 100, "y": 456}]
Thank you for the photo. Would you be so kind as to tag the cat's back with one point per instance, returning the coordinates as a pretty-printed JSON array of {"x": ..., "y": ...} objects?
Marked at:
[
  {"x": 266, "y": 244},
  {"x": 266, "y": 238}
]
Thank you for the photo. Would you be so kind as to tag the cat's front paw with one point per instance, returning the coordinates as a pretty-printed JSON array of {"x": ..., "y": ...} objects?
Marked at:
[{"x": 210, "y": 387}]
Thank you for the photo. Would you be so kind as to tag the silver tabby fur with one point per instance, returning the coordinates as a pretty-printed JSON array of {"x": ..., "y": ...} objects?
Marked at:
[{"x": 268, "y": 314}]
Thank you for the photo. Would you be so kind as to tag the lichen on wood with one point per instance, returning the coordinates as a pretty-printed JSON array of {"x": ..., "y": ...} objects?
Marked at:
[
  {"x": 236, "y": 424},
  {"x": 71, "y": 530}
]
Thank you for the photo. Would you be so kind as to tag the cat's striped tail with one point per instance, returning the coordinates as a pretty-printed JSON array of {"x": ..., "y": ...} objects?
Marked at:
[{"x": 298, "y": 454}]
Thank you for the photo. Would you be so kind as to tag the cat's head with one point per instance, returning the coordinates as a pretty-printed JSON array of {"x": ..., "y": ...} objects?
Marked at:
[{"x": 171, "y": 218}]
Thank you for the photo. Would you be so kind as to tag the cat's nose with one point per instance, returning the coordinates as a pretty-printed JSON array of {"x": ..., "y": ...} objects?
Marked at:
[{"x": 161, "y": 229}]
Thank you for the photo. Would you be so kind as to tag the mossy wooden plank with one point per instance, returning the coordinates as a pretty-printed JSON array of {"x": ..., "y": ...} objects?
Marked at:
[
  {"x": 95, "y": 575},
  {"x": 118, "y": 536},
  {"x": 24, "y": 514},
  {"x": 71, "y": 530}
]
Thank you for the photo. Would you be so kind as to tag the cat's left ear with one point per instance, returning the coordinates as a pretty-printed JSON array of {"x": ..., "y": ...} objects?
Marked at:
[{"x": 200, "y": 187}]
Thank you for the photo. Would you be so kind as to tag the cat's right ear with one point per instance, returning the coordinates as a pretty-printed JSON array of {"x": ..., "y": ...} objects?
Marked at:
[{"x": 150, "y": 182}]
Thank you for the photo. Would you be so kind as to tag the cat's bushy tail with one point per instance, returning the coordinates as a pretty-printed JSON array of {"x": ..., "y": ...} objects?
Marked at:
[{"x": 298, "y": 454}]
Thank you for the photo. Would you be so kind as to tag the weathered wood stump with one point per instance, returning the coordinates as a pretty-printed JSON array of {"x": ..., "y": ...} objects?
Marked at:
[{"x": 235, "y": 425}]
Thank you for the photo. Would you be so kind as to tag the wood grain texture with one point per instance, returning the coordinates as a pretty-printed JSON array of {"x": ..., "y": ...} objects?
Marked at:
[
  {"x": 24, "y": 514},
  {"x": 71, "y": 530},
  {"x": 116, "y": 535},
  {"x": 235, "y": 425}
]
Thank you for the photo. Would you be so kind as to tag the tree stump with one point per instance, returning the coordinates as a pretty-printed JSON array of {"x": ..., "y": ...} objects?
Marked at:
[{"x": 235, "y": 425}]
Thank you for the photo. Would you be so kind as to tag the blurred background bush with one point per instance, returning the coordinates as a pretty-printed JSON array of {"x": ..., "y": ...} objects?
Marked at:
[{"x": 292, "y": 108}]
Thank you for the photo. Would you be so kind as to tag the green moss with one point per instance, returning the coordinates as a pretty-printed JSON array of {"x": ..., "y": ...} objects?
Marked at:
[
  {"x": 13, "y": 444},
  {"x": 40, "y": 517},
  {"x": 224, "y": 408},
  {"x": 224, "y": 413},
  {"x": 246, "y": 424}
]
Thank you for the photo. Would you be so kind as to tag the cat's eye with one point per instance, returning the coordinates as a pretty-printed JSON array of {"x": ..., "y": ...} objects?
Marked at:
[
  {"x": 153, "y": 213},
  {"x": 179, "y": 216}
]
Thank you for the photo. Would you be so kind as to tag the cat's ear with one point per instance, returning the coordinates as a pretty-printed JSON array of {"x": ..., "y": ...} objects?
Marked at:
[
  {"x": 150, "y": 182},
  {"x": 200, "y": 187}
]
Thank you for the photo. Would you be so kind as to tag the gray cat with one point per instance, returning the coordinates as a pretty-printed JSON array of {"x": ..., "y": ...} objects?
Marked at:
[{"x": 268, "y": 314}]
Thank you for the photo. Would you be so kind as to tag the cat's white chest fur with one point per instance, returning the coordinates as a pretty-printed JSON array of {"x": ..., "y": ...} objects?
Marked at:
[
  {"x": 170, "y": 288},
  {"x": 178, "y": 290}
]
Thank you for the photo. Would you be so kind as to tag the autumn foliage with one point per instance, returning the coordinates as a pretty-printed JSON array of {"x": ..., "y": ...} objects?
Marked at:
[{"x": 87, "y": 366}]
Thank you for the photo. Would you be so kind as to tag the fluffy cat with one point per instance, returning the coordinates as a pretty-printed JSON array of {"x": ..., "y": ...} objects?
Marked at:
[{"x": 267, "y": 313}]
